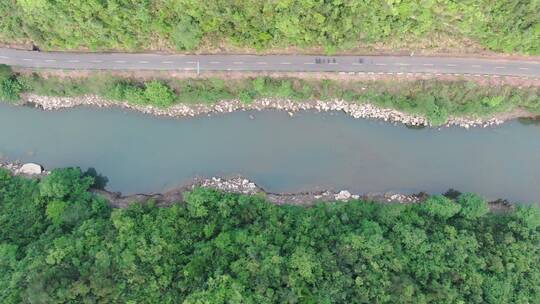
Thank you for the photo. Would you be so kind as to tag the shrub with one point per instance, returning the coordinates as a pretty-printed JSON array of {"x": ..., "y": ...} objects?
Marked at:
[
  {"x": 10, "y": 89},
  {"x": 158, "y": 94},
  {"x": 134, "y": 94},
  {"x": 472, "y": 205},
  {"x": 440, "y": 206}
]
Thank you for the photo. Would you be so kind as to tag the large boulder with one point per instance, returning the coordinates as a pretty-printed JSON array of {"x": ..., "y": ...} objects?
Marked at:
[
  {"x": 343, "y": 195},
  {"x": 31, "y": 169}
]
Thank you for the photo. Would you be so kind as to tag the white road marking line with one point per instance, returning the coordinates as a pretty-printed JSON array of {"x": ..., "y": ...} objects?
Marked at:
[
  {"x": 27, "y": 59},
  {"x": 238, "y": 62},
  {"x": 261, "y": 62},
  {"x": 191, "y": 62},
  {"x": 4, "y": 57},
  {"x": 523, "y": 68},
  {"x": 451, "y": 65},
  {"x": 97, "y": 61},
  {"x": 284, "y": 63},
  {"x": 380, "y": 63},
  {"x": 403, "y": 64},
  {"x": 333, "y": 63},
  {"x": 500, "y": 67},
  {"x": 309, "y": 62},
  {"x": 427, "y": 64},
  {"x": 166, "y": 62},
  {"x": 214, "y": 62},
  {"x": 73, "y": 61},
  {"x": 355, "y": 63},
  {"x": 119, "y": 61},
  {"x": 188, "y": 69},
  {"x": 143, "y": 62},
  {"x": 475, "y": 66},
  {"x": 50, "y": 60}
]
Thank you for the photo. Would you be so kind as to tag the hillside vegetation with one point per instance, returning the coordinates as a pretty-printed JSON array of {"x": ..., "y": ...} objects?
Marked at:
[
  {"x": 61, "y": 244},
  {"x": 499, "y": 25}
]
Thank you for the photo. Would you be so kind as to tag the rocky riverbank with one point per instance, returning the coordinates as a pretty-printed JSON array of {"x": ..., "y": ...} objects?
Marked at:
[
  {"x": 242, "y": 186},
  {"x": 367, "y": 110},
  {"x": 236, "y": 184}
]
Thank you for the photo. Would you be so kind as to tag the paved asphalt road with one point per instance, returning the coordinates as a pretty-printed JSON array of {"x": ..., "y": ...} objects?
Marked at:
[{"x": 285, "y": 63}]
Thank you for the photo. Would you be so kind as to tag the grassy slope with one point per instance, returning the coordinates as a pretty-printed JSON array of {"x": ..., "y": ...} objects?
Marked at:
[{"x": 435, "y": 100}]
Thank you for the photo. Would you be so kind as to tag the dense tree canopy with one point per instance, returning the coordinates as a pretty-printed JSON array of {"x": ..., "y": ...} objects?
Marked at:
[
  {"x": 61, "y": 244},
  {"x": 502, "y": 25}
]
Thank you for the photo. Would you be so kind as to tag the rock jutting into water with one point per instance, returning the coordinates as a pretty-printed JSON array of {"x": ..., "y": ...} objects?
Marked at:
[
  {"x": 28, "y": 169},
  {"x": 365, "y": 110}
]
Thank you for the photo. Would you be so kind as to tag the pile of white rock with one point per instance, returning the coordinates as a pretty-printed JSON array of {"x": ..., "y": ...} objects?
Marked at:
[
  {"x": 345, "y": 196},
  {"x": 364, "y": 110},
  {"x": 235, "y": 185}
]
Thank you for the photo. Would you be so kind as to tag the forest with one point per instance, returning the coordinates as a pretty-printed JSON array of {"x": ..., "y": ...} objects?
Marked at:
[
  {"x": 61, "y": 243},
  {"x": 511, "y": 26}
]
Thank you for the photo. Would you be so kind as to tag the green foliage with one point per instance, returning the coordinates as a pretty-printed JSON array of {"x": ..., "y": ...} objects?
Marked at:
[
  {"x": 159, "y": 94},
  {"x": 67, "y": 183},
  {"x": 5, "y": 72},
  {"x": 186, "y": 35},
  {"x": 10, "y": 87},
  {"x": 154, "y": 93},
  {"x": 473, "y": 206},
  {"x": 60, "y": 243},
  {"x": 440, "y": 206},
  {"x": 504, "y": 25}
]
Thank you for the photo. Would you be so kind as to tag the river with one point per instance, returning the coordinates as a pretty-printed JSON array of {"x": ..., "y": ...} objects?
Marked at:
[{"x": 310, "y": 151}]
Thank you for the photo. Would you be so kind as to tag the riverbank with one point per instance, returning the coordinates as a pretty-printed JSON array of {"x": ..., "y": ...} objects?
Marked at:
[
  {"x": 241, "y": 185},
  {"x": 416, "y": 102},
  {"x": 367, "y": 110}
]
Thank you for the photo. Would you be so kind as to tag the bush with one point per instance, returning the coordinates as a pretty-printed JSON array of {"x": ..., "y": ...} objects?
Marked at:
[
  {"x": 158, "y": 94},
  {"x": 135, "y": 95},
  {"x": 10, "y": 89},
  {"x": 440, "y": 206},
  {"x": 473, "y": 206}
]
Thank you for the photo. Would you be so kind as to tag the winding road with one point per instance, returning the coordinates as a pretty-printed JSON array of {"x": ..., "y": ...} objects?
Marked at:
[{"x": 269, "y": 63}]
